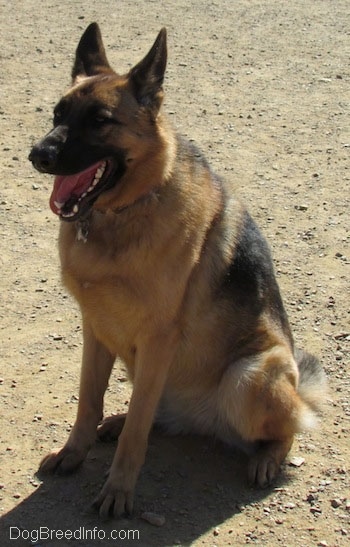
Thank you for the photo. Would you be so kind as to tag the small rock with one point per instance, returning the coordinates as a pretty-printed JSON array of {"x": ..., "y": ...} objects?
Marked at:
[
  {"x": 296, "y": 461},
  {"x": 216, "y": 531},
  {"x": 290, "y": 505},
  {"x": 311, "y": 498},
  {"x": 322, "y": 544},
  {"x": 301, "y": 207},
  {"x": 153, "y": 518},
  {"x": 17, "y": 495},
  {"x": 335, "y": 503}
]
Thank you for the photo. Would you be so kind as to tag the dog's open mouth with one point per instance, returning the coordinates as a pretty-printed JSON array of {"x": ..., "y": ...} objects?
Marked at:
[{"x": 73, "y": 195}]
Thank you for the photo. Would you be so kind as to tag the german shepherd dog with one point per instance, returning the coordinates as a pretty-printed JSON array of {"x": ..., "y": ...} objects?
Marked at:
[{"x": 172, "y": 276}]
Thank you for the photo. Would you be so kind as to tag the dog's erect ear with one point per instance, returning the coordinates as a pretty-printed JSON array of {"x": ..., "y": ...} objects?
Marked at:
[
  {"x": 147, "y": 76},
  {"x": 90, "y": 57}
]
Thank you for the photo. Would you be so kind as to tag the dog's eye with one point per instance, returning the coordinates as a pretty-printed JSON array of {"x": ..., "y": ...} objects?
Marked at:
[
  {"x": 100, "y": 119},
  {"x": 103, "y": 118}
]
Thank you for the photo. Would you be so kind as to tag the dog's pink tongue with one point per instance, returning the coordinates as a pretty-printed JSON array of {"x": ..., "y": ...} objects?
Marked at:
[{"x": 71, "y": 185}]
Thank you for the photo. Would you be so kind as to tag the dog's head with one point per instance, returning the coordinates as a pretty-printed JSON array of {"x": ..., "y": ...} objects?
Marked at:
[{"x": 106, "y": 147}]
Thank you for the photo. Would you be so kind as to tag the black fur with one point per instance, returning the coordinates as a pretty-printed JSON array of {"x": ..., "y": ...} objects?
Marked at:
[{"x": 250, "y": 279}]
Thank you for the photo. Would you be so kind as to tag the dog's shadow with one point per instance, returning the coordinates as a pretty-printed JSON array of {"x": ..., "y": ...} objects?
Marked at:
[{"x": 194, "y": 483}]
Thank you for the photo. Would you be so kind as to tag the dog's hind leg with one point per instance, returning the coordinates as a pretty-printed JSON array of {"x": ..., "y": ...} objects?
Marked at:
[
  {"x": 111, "y": 427},
  {"x": 96, "y": 369},
  {"x": 259, "y": 398}
]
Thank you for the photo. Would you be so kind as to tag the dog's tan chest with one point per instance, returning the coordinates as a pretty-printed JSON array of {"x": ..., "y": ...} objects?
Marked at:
[{"x": 125, "y": 296}]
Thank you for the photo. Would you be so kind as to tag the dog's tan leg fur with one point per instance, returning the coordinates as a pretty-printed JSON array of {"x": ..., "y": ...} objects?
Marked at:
[
  {"x": 265, "y": 407},
  {"x": 154, "y": 356},
  {"x": 97, "y": 364}
]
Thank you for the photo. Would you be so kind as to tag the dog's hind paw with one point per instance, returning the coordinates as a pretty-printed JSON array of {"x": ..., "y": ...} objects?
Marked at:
[
  {"x": 64, "y": 461},
  {"x": 111, "y": 428},
  {"x": 264, "y": 465},
  {"x": 262, "y": 470}
]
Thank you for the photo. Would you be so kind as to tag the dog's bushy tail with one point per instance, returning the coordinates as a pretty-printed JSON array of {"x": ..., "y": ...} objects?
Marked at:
[{"x": 312, "y": 387}]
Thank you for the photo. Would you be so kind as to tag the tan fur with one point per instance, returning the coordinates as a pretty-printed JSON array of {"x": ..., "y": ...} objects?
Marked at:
[{"x": 144, "y": 283}]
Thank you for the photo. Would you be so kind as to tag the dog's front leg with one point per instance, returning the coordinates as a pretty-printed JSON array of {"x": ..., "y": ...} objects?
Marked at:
[
  {"x": 153, "y": 359},
  {"x": 96, "y": 368}
]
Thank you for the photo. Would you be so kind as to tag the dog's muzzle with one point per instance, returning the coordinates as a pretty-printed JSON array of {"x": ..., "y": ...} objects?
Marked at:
[
  {"x": 43, "y": 158},
  {"x": 44, "y": 154}
]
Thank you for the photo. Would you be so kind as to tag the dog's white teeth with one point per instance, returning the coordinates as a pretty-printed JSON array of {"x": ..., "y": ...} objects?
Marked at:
[
  {"x": 99, "y": 174},
  {"x": 58, "y": 204},
  {"x": 75, "y": 209},
  {"x": 83, "y": 195}
]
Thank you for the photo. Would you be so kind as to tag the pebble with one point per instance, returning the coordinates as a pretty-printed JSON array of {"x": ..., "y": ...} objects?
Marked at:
[
  {"x": 315, "y": 510},
  {"x": 296, "y": 461},
  {"x": 311, "y": 498},
  {"x": 153, "y": 518},
  {"x": 301, "y": 207},
  {"x": 290, "y": 505},
  {"x": 335, "y": 503}
]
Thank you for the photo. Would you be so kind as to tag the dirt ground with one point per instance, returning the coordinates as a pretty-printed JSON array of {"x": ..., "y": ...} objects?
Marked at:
[{"x": 262, "y": 86}]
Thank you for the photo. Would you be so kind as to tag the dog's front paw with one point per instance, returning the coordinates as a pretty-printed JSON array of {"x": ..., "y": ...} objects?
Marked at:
[
  {"x": 115, "y": 499},
  {"x": 64, "y": 461}
]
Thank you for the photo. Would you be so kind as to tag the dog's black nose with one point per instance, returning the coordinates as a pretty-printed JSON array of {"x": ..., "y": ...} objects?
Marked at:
[{"x": 43, "y": 158}]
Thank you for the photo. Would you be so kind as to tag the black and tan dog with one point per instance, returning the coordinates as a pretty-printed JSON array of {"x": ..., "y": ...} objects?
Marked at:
[{"x": 171, "y": 275}]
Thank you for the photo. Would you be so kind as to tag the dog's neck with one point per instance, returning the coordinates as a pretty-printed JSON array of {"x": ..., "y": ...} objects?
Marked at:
[{"x": 83, "y": 224}]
